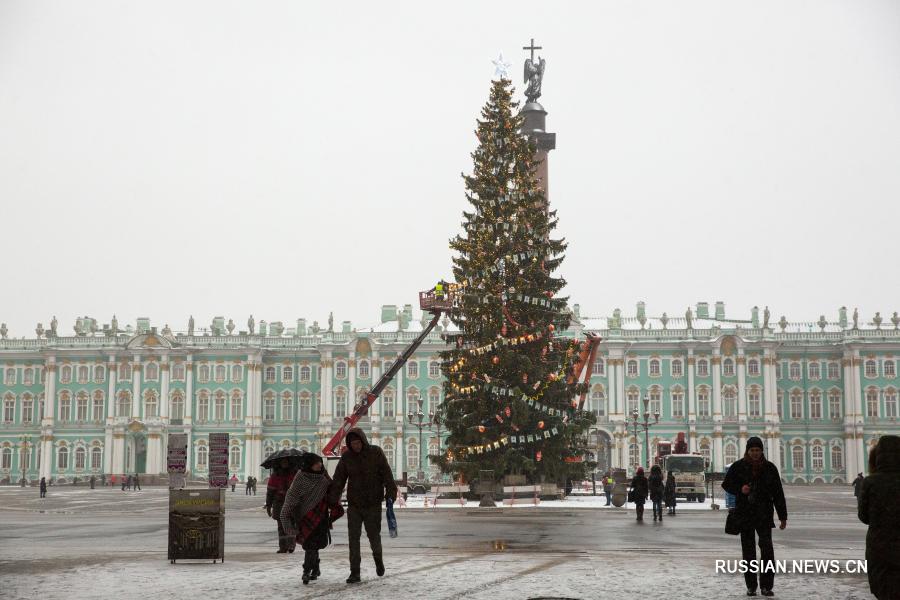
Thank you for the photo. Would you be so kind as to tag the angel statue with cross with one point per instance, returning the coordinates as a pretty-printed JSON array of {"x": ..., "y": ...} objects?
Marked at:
[{"x": 534, "y": 73}]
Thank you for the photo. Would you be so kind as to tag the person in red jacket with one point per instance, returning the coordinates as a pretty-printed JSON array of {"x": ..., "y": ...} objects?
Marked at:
[{"x": 276, "y": 489}]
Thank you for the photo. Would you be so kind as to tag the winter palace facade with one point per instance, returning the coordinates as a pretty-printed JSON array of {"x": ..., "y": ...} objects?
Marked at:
[{"x": 103, "y": 401}]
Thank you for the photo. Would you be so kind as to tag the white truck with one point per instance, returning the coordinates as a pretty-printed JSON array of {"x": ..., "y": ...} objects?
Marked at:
[{"x": 690, "y": 475}]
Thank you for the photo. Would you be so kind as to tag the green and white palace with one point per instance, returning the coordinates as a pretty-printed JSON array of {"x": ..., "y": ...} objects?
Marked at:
[{"x": 818, "y": 393}]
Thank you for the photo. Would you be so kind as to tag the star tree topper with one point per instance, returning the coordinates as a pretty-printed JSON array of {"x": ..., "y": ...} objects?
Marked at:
[{"x": 501, "y": 68}]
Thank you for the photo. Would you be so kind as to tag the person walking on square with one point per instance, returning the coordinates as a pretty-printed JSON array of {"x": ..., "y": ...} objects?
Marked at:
[
  {"x": 756, "y": 484},
  {"x": 137, "y": 482},
  {"x": 234, "y": 481},
  {"x": 43, "y": 487},
  {"x": 102, "y": 479},
  {"x": 670, "y": 493},
  {"x": 306, "y": 515},
  {"x": 639, "y": 491},
  {"x": 657, "y": 491},
  {"x": 93, "y": 480},
  {"x": 857, "y": 484},
  {"x": 607, "y": 488},
  {"x": 247, "y": 486},
  {"x": 878, "y": 509},
  {"x": 126, "y": 482},
  {"x": 276, "y": 490},
  {"x": 365, "y": 471}
]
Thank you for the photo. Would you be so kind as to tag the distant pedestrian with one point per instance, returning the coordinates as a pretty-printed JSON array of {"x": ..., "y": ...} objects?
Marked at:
[
  {"x": 247, "y": 484},
  {"x": 878, "y": 509},
  {"x": 102, "y": 479},
  {"x": 130, "y": 482},
  {"x": 306, "y": 515},
  {"x": 93, "y": 480},
  {"x": 124, "y": 482},
  {"x": 639, "y": 490},
  {"x": 670, "y": 493},
  {"x": 234, "y": 481},
  {"x": 756, "y": 484},
  {"x": 607, "y": 488},
  {"x": 137, "y": 482},
  {"x": 657, "y": 490},
  {"x": 112, "y": 481},
  {"x": 253, "y": 486},
  {"x": 43, "y": 487},
  {"x": 857, "y": 484}
]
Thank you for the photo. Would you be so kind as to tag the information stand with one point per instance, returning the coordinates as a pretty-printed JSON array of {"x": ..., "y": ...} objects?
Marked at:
[{"x": 197, "y": 524}]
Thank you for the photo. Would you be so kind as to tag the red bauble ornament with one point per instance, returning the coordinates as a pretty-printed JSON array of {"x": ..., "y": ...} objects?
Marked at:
[
  {"x": 507, "y": 411},
  {"x": 540, "y": 424},
  {"x": 550, "y": 327},
  {"x": 538, "y": 456},
  {"x": 552, "y": 377},
  {"x": 481, "y": 428},
  {"x": 496, "y": 360},
  {"x": 524, "y": 377}
]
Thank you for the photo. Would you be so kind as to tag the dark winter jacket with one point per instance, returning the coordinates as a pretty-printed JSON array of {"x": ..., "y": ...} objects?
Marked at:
[
  {"x": 639, "y": 489},
  {"x": 276, "y": 489},
  {"x": 879, "y": 509},
  {"x": 857, "y": 485},
  {"x": 766, "y": 494},
  {"x": 657, "y": 486},
  {"x": 670, "y": 490},
  {"x": 43, "y": 487},
  {"x": 370, "y": 477}
]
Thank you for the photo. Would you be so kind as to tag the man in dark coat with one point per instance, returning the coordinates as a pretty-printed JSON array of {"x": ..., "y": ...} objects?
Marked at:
[
  {"x": 639, "y": 490},
  {"x": 137, "y": 482},
  {"x": 369, "y": 480},
  {"x": 129, "y": 482},
  {"x": 43, "y": 487},
  {"x": 93, "y": 481},
  {"x": 756, "y": 484},
  {"x": 878, "y": 509},
  {"x": 657, "y": 489},
  {"x": 857, "y": 484},
  {"x": 670, "y": 493}
]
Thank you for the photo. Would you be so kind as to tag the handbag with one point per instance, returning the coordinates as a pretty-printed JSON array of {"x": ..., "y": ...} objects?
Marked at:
[
  {"x": 631, "y": 495},
  {"x": 734, "y": 523}
]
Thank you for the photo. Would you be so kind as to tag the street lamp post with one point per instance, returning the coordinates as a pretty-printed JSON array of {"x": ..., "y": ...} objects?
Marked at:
[
  {"x": 645, "y": 425},
  {"x": 435, "y": 417},
  {"x": 417, "y": 419}
]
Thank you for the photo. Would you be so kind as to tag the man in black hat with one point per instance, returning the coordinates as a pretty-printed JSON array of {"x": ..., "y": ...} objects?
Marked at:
[
  {"x": 756, "y": 484},
  {"x": 370, "y": 483}
]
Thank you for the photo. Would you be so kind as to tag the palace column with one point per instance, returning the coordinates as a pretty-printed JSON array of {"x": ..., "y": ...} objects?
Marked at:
[
  {"x": 770, "y": 402},
  {"x": 862, "y": 458},
  {"x": 351, "y": 381},
  {"x": 620, "y": 388},
  {"x": 850, "y": 415},
  {"x": 325, "y": 410},
  {"x": 692, "y": 401},
  {"x": 253, "y": 420},
  {"x": 110, "y": 413},
  {"x": 136, "y": 387},
  {"x": 46, "y": 466},
  {"x": 400, "y": 399},
  {"x": 189, "y": 410},
  {"x": 164, "y": 390},
  {"x": 118, "y": 449},
  {"x": 717, "y": 410},
  {"x": 741, "y": 361},
  {"x": 154, "y": 450},
  {"x": 375, "y": 371}
]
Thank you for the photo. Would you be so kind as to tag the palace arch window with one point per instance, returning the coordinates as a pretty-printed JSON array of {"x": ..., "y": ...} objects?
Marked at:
[
  {"x": 633, "y": 397},
  {"x": 27, "y": 409},
  {"x": 99, "y": 374},
  {"x": 234, "y": 462},
  {"x": 9, "y": 408},
  {"x": 634, "y": 454},
  {"x": 815, "y": 404},
  {"x": 152, "y": 371},
  {"x": 62, "y": 458},
  {"x": 270, "y": 374},
  {"x": 97, "y": 407},
  {"x": 890, "y": 368},
  {"x": 434, "y": 398},
  {"x": 81, "y": 407},
  {"x": 632, "y": 368},
  {"x": 340, "y": 370},
  {"x": 654, "y": 367},
  {"x": 65, "y": 406},
  {"x": 703, "y": 402},
  {"x": 412, "y": 399},
  {"x": 797, "y": 458},
  {"x": 96, "y": 458},
  {"x": 28, "y": 376},
  {"x": 237, "y": 373},
  {"x": 388, "y": 449},
  {"x": 729, "y": 401},
  {"x": 434, "y": 369},
  {"x": 702, "y": 368},
  {"x": 124, "y": 371},
  {"x": 814, "y": 370},
  {"x": 794, "y": 371},
  {"x": 202, "y": 456},
  {"x": 871, "y": 368},
  {"x": 705, "y": 451},
  {"x": 834, "y": 404},
  {"x": 237, "y": 405},
  {"x": 178, "y": 371},
  {"x": 890, "y": 403},
  {"x": 728, "y": 367},
  {"x": 796, "y": 404},
  {"x": 287, "y": 406},
  {"x": 203, "y": 374},
  {"x": 598, "y": 401},
  {"x": 177, "y": 405},
  {"x": 837, "y": 457},
  {"x": 834, "y": 370},
  {"x": 123, "y": 404},
  {"x": 305, "y": 406},
  {"x": 677, "y": 403},
  {"x": 871, "y": 402},
  {"x": 65, "y": 375},
  {"x": 599, "y": 367},
  {"x": 731, "y": 453},
  {"x": 412, "y": 455},
  {"x": 219, "y": 406},
  {"x": 412, "y": 369},
  {"x": 220, "y": 373},
  {"x": 387, "y": 403},
  {"x": 817, "y": 454},
  {"x": 305, "y": 374},
  {"x": 6, "y": 461},
  {"x": 203, "y": 406},
  {"x": 655, "y": 400},
  {"x": 677, "y": 368},
  {"x": 151, "y": 404},
  {"x": 754, "y": 404},
  {"x": 340, "y": 403},
  {"x": 753, "y": 367},
  {"x": 79, "y": 458}
]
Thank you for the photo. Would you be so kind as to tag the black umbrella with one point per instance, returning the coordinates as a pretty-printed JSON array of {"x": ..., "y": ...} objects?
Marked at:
[{"x": 292, "y": 454}]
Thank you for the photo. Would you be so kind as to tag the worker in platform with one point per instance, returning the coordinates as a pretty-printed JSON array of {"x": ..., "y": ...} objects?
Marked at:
[{"x": 439, "y": 290}]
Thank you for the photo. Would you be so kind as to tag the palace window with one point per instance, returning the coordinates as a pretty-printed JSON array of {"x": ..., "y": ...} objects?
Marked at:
[
  {"x": 219, "y": 406},
  {"x": 677, "y": 403},
  {"x": 837, "y": 458},
  {"x": 728, "y": 367},
  {"x": 304, "y": 406},
  {"x": 221, "y": 371},
  {"x": 890, "y": 368},
  {"x": 797, "y": 458},
  {"x": 632, "y": 368},
  {"x": 237, "y": 405},
  {"x": 177, "y": 405},
  {"x": 412, "y": 400},
  {"x": 814, "y": 371},
  {"x": 780, "y": 404},
  {"x": 203, "y": 374},
  {"x": 778, "y": 373},
  {"x": 304, "y": 374},
  {"x": 178, "y": 371},
  {"x": 387, "y": 403},
  {"x": 96, "y": 458},
  {"x": 27, "y": 409},
  {"x": 65, "y": 375},
  {"x": 28, "y": 377},
  {"x": 388, "y": 449},
  {"x": 705, "y": 451},
  {"x": 65, "y": 407},
  {"x": 151, "y": 407},
  {"x": 677, "y": 370},
  {"x": 152, "y": 371},
  {"x": 203, "y": 406},
  {"x": 834, "y": 404},
  {"x": 270, "y": 374},
  {"x": 412, "y": 455},
  {"x": 362, "y": 369},
  {"x": 703, "y": 402},
  {"x": 9, "y": 410},
  {"x": 654, "y": 367},
  {"x": 633, "y": 398},
  {"x": 235, "y": 459},
  {"x": 815, "y": 404},
  {"x": 434, "y": 369},
  {"x": 794, "y": 371},
  {"x": 871, "y": 368},
  {"x": 796, "y": 405},
  {"x": 818, "y": 457},
  {"x": 269, "y": 407},
  {"x": 9, "y": 378},
  {"x": 702, "y": 368},
  {"x": 81, "y": 407},
  {"x": 634, "y": 454},
  {"x": 124, "y": 371},
  {"x": 340, "y": 403},
  {"x": 99, "y": 374},
  {"x": 340, "y": 370},
  {"x": 729, "y": 400},
  {"x": 655, "y": 401},
  {"x": 412, "y": 369},
  {"x": 79, "y": 458},
  {"x": 434, "y": 398},
  {"x": 62, "y": 458},
  {"x": 834, "y": 370},
  {"x": 287, "y": 374},
  {"x": 237, "y": 373},
  {"x": 598, "y": 401},
  {"x": 871, "y": 402},
  {"x": 287, "y": 406},
  {"x": 890, "y": 404},
  {"x": 753, "y": 367},
  {"x": 98, "y": 406},
  {"x": 731, "y": 453},
  {"x": 599, "y": 367},
  {"x": 123, "y": 404},
  {"x": 6, "y": 461},
  {"x": 754, "y": 407},
  {"x": 202, "y": 456},
  {"x": 83, "y": 374}
]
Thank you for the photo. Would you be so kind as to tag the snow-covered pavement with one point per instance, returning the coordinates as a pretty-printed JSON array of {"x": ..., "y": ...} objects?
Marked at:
[{"x": 106, "y": 543}]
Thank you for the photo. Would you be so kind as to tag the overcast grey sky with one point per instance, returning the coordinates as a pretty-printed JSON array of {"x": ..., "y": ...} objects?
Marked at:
[{"x": 286, "y": 159}]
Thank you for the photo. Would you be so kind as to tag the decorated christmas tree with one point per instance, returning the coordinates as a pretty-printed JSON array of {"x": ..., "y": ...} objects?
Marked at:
[{"x": 511, "y": 403}]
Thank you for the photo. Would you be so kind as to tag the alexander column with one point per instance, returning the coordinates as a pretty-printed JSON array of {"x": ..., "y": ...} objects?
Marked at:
[{"x": 535, "y": 126}]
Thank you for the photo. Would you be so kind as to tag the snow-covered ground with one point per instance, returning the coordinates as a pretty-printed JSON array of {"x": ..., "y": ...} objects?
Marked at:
[{"x": 418, "y": 501}]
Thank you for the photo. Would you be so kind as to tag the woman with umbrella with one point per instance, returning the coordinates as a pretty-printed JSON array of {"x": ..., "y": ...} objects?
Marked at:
[{"x": 284, "y": 464}]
